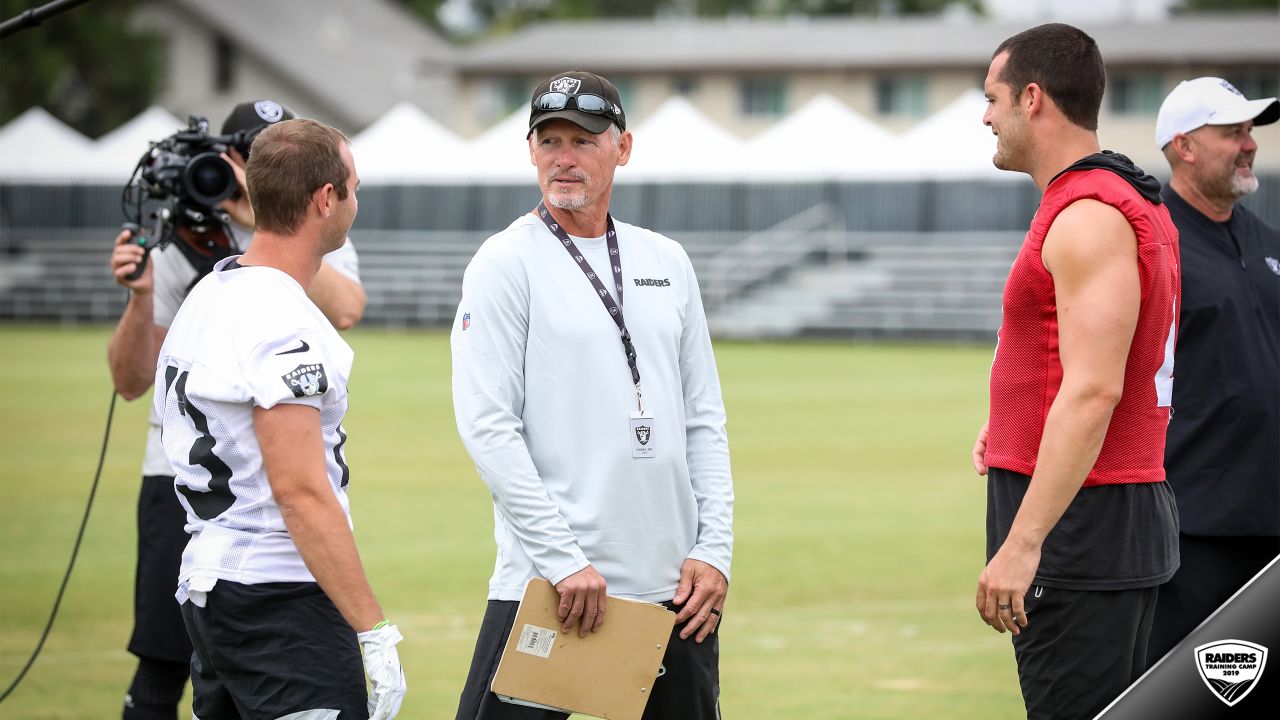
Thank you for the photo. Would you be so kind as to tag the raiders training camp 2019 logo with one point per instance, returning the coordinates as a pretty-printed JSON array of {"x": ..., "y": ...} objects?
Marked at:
[
  {"x": 642, "y": 434},
  {"x": 1231, "y": 668},
  {"x": 306, "y": 380},
  {"x": 566, "y": 85}
]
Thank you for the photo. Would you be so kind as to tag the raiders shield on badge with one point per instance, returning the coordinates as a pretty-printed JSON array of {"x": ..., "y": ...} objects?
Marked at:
[
  {"x": 642, "y": 436},
  {"x": 1231, "y": 668}
]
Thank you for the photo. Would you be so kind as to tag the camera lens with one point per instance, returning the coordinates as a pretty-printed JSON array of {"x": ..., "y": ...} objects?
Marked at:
[{"x": 208, "y": 179}]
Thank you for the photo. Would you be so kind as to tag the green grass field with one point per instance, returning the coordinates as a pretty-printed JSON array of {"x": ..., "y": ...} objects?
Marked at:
[{"x": 859, "y": 527}]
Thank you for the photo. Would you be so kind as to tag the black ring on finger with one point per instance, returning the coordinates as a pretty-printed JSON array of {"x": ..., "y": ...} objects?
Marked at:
[{"x": 715, "y": 612}]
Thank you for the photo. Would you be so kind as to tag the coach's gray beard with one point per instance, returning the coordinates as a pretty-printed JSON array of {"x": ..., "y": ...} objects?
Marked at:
[
  {"x": 1243, "y": 186},
  {"x": 567, "y": 199}
]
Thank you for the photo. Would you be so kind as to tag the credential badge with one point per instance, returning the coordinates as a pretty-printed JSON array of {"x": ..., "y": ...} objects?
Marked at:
[
  {"x": 1231, "y": 668},
  {"x": 566, "y": 85}
]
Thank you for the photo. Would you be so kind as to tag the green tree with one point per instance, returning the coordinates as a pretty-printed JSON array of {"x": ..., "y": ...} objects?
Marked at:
[{"x": 86, "y": 66}]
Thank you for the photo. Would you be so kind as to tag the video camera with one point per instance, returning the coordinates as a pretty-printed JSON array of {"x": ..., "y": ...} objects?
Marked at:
[
  {"x": 187, "y": 166},
  {"x": 186, "y": 174}
]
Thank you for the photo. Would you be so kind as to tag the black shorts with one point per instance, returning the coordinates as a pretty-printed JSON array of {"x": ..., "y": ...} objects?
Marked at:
[
  {"x": 158, "y": 630},
  {"x": 689, "y": 690},
  {"x": 1081, "y": 649},
  {"x": 269, "y": 650}
]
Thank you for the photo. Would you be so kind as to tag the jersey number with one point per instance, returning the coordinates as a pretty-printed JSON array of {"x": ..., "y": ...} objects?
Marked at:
[
  {"x": 1164, "y": 376},
  {"x": 219, "y": 498}
]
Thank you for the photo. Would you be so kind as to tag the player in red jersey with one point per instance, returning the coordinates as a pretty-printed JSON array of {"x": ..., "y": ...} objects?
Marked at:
[{"x": 1081, "y": 527}]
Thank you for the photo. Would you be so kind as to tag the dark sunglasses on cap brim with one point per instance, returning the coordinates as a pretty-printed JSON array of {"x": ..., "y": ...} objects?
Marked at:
[{"x": 590, "y": 104}]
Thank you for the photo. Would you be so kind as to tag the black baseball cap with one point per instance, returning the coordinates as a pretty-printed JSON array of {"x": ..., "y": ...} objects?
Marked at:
[
  {"x": 255, "y": 114},
  {"x": 249, "y": 118},
  {"x": 574, "y": 83}
]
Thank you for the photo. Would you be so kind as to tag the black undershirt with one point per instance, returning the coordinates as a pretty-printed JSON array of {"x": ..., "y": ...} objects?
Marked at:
[{"x": 1111, "y": 537}]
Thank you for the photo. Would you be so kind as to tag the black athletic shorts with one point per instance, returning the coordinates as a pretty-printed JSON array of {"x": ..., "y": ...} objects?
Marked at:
[
  {"x": 270, "y": 650},
  {"x": 1081, "y": 649},
  {"x": 158, "y": 630},
  {"x": 689, "y": 690}
]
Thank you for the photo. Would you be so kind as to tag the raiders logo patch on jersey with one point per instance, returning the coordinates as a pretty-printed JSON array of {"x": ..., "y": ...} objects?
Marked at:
[{"x": 306, "y": 380}]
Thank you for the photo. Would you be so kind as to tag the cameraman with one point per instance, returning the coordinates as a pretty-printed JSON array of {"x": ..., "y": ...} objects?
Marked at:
[{"x": 159, "y": 637}]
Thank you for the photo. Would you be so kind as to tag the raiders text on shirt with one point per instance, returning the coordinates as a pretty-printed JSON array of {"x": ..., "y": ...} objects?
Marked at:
[{"x": 652, "y": 282}]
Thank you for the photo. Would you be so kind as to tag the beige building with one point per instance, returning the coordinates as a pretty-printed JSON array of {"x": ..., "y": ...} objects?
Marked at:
[
  {"x": 348, "y": 61},
  {"x": 747, "y": 74},
  {"x": 344, "y": 62}
]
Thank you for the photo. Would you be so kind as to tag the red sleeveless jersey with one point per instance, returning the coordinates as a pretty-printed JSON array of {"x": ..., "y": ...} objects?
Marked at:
[{"x": 1027, "y": 371}]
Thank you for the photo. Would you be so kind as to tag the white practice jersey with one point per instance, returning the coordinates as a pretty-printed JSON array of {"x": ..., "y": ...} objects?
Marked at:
[
  {"x": 173, "y": 277},
  {"x": 543, "y": 399},
  {"x": 245, "y": 337}
]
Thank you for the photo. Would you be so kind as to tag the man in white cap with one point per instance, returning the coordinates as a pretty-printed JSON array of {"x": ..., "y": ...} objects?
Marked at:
[{"x": 1223, "y": 446}]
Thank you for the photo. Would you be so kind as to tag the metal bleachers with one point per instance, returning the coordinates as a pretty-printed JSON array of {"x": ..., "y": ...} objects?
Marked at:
[{"x": 892, "y": 260}]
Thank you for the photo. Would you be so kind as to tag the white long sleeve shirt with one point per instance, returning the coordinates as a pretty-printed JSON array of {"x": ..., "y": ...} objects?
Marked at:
[{"x": 543, "y": 400}]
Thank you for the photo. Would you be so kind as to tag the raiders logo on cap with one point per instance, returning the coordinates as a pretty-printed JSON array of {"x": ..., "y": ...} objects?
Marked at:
[
  {"x": 269, "y": 110},
  {"x": 566, "y": 85}
]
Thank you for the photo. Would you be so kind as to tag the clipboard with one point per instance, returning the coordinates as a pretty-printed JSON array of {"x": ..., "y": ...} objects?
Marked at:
[{"x": 607, "y": 674}]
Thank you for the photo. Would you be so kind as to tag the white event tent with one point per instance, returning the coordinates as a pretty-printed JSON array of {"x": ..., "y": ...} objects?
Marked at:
[
  {"x": 408, "y": 146},
  {"x": 501, "y": 153},
  {"x": 679, "y": 143},
  {"x": 822, "y": 140},
  {"x": 115, "y": 154},
  {"x": 38, "y": 148},
  {"x": 951, "y": 143}
]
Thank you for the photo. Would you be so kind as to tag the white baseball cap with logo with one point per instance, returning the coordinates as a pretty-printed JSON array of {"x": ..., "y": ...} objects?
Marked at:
[{"x": 1209, "y": 101}]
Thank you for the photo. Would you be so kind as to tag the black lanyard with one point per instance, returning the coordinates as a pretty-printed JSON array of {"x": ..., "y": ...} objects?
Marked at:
[{"x": 614, "y": 308}]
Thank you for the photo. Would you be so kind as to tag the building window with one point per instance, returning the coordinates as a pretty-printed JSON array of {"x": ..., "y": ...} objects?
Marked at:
[
  {"x": 902, "y": 95},
  {"x": 764, "y": 96},
  {"x": 684, "y": 85},
  {"x": 1256, "y": 83},
  {"x": 1135, "y": 93},
  {"x": 513, "y": 93},
  {"x": 224, "y": 64},
  {"x": 626, "y": 88}
]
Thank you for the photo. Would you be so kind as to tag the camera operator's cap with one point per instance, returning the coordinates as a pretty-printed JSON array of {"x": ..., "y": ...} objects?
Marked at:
[
  {"x": 574, "y": 83},
  {"x": 1209, "y": 101},
  {"x": 254, "y": 115}
]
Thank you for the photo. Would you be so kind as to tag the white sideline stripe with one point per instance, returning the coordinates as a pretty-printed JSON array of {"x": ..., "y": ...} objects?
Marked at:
[{"x": 1175, "y": 647}]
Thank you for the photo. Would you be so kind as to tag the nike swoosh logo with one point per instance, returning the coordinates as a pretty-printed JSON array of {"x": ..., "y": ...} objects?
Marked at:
[{"x": 301, "y": 348}]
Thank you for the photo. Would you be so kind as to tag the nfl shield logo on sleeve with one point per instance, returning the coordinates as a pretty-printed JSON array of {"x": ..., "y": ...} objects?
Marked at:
[
  {"x": 466, "y": 320},
  {"x": 1231, "y": 668}
]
